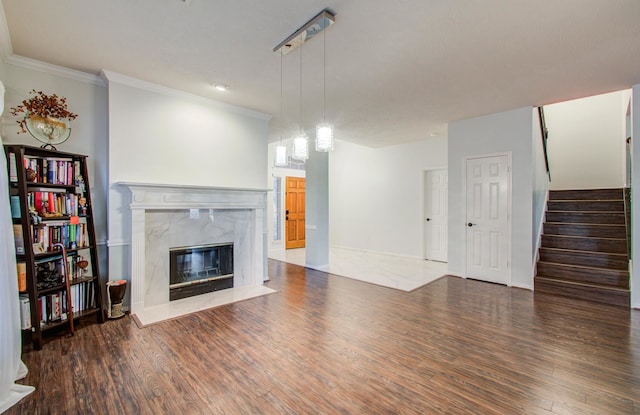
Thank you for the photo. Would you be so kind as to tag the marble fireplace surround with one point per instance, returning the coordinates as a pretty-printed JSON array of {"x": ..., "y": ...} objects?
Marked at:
[{"x": 164, "y": 216}]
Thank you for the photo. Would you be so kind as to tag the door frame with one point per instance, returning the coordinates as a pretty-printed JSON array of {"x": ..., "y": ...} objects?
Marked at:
[
  {"x": 509, "y": 209},
  {"x": 282, "y": 174},
  {"x": 423, "y": 205}
]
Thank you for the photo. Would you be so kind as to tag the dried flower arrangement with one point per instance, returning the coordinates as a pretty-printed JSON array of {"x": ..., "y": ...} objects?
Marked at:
[{"x": 44, "y": 106}]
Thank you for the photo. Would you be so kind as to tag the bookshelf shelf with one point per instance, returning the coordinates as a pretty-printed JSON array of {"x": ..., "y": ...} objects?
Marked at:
[{"x": 55, "y": 239}]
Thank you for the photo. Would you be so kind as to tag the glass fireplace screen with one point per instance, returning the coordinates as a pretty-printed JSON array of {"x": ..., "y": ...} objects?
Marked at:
[{"x": 198, "y": 264}]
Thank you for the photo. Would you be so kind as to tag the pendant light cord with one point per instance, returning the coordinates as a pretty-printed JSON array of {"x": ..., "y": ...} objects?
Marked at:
[
  {"x": 300, "y": 113},
  {"x": 324, "y": 76},
  {"x": 281, "y": 102}
]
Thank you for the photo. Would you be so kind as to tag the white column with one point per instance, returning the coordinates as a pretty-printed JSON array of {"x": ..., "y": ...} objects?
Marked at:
[{"x": 137, "y": 260}]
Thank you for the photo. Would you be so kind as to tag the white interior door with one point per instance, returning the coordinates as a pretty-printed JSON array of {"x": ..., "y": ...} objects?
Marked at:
[
  {"x": 487, "y": 227},
  {"x": 435, "y": 215}
]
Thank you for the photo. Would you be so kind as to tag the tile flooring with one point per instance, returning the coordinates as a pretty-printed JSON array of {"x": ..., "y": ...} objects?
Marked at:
[{"x": 391, "y": 271}]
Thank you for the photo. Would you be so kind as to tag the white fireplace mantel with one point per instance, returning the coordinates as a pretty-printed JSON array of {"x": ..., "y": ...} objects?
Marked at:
[{"x": 147, "y": 198}]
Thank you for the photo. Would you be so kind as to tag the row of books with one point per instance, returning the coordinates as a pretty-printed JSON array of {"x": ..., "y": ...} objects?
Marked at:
[
  {"x": 65, "y": 204},
  {"x": 53, "y": 170},
  {"x": 76, "y": 266},
  {"x": 72, "y": 236},
  {"x": 53, "y": 307}
]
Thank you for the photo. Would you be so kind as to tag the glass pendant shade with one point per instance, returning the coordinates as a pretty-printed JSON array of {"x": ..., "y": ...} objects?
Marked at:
[
  {"x": 300, "y": 147},
  {"x": 324, "y": 137},
  {"x": 281, "y": 156}
]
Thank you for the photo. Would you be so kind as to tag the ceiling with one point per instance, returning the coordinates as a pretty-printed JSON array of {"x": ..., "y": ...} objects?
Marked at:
[{"x": 396, "y": 71}]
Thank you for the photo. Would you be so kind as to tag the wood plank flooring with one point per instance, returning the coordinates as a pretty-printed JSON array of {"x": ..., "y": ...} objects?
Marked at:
[{"x": 332, "y": 345}]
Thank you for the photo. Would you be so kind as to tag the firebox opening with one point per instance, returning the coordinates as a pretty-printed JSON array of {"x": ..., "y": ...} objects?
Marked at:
[{"x": 196, "y": 270}]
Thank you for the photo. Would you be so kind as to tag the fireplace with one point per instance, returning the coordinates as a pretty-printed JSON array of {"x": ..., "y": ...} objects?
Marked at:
[
  {"x": 196, "y": 270},
  {"x": 167, "y": 215}
]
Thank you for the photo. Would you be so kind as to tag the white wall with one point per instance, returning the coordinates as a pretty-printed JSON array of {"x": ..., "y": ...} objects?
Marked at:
[
  {"x": 158, "y": 135},
  {"x": 376, "y": 195},
  {"x": 86, "y": 96},
  {"x": 505, "y": 132},
  {"x": 587, "y": 142}
]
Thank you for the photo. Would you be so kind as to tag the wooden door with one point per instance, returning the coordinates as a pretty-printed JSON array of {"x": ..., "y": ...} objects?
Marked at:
[
  {"x": 487, "y": 225},
  {"x": 294, "y": 212},
  {"x": 435, "y": 215}
]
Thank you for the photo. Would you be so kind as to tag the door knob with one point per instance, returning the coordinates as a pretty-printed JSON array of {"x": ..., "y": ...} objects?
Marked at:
[
  {"x": 470, "y": 224},
  {"x": 428, "y": 219}
]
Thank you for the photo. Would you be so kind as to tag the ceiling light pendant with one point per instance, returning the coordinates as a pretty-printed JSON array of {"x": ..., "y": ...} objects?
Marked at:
[
  {"x": 324, "y": 137},
  {"x": 281, "y": 149},
  {"x": 300, "y": 149},
  {"x": 281, "y": 156},
  {"x": 324, "y": 130}
]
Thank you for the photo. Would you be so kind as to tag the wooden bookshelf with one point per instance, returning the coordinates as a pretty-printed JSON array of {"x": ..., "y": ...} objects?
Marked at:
[{"x": 55, "y": 237}]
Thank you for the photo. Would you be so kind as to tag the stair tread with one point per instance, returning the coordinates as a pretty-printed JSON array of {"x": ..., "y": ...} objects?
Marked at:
[
  {"x": 620, "y": 225},
  {"x": 583, "y": 284},
  {"x": 582, "y": 237},
  {"x": 585, "y": 200},
  {"x": 583, "y": 266},
  {"x": 608, "y": 212},
  {"x": 581, "y": 251}
]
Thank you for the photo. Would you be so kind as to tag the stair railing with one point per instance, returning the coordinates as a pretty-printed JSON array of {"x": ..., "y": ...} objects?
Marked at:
[
  {"x": 545, "y": 136},
  {"x": 626, "y": 192}
]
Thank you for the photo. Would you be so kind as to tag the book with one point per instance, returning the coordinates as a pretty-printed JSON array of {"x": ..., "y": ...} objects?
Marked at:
[
  {"x": 13, "y": 172},
  {"x": 18, "y": 239},
  {"x": 25, "y": 312},
  {"x": 22, "y": 276},
  {"x": 15, "y": 207}
]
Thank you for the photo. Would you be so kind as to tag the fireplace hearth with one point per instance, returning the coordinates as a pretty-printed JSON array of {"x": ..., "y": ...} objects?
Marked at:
[{"x": 196, "y": 270}]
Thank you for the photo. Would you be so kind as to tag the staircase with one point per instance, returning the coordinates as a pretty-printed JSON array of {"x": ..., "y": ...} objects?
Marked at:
[{"x": 584, "y": 248}]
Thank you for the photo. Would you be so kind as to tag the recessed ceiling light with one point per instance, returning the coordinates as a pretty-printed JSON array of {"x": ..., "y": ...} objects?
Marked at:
[{"x": 221, "y": 87}]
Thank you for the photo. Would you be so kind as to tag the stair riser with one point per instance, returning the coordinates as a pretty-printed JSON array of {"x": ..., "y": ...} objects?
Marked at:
[
  {"x": 587, "y": 206},
  {"x": 595, "y": 194},
  {"x": 598, "y": 231},
  {"x": 613, "y": 278},
  {"x": 586, "y": 217},
  {"x": 614, "y": 246},
  {"x": 583, "y": 292},
  {"x": 591, "y": 259}
]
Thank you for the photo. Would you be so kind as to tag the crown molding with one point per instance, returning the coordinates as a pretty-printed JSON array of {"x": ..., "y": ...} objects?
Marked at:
[
  {"x": 49, "y": 68},
  {"x": 111, "y": 76}
]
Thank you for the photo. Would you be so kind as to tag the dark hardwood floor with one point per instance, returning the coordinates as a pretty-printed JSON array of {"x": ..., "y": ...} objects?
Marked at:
[{"x": 327, "y": 345}]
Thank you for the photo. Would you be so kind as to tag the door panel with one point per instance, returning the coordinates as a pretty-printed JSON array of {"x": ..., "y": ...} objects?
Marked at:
[
  {"x": 488, "y": 243},
  {"x": 295, "y": 212},
  {"x": 435, "y": 215}
]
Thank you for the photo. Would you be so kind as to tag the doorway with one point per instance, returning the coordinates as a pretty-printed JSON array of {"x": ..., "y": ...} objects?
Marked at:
[
  {"x": 488, "y": 245},
  {"x": 435, "y": 215},
  {"x": 295, "y": 212}
]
